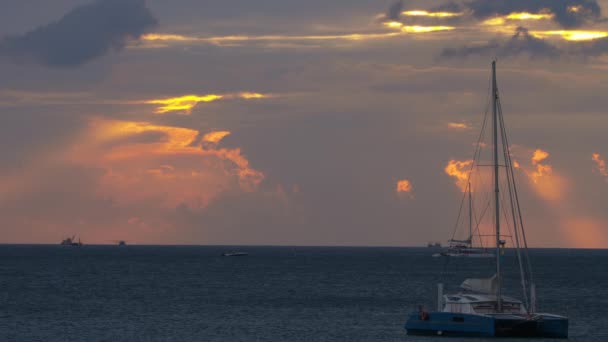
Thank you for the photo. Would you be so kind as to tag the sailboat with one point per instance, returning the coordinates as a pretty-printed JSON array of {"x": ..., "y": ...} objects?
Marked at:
[
  {"x": 465, "y": 248},
  {"x": 480, "y": 308}
]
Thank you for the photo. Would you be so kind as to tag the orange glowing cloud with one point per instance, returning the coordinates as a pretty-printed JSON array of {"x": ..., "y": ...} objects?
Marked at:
[
  {"x": 404, "y": 186},
  {"x": 516, "y": 164},
  {"x": 215, "y": 137},
  {"x": 541, "y": 169},
  {"x": 547, "y": 184},
  {"x": 144, "y": 161},
  {"x": 600, "y": 164},
  {"x": 461, "y": 171}
]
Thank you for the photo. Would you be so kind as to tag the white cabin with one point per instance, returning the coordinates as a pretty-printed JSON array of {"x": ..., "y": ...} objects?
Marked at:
[{"x": 473, "y": 303}]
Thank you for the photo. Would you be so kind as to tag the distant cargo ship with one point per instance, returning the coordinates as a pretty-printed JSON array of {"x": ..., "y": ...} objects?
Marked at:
[{"x": 71, "y": 241}]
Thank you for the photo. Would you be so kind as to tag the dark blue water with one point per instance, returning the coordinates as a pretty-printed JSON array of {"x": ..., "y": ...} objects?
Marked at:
[{"x": 138, "y": 293}]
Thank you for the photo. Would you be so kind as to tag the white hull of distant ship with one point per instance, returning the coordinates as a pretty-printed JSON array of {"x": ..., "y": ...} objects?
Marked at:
[{"x": 480, "y": 308}]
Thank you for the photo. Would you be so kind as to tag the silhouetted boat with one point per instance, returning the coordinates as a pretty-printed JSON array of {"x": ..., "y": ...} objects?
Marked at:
[
  {"x": 465, "y": 248},
  {"x": 480, "y": 308},
  {"x": 71, "y": 241}
]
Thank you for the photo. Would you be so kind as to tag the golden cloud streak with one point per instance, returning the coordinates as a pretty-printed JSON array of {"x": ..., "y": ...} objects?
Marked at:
[
  {"x": 501, "y": 20},
  {"x": 422, "y": 13},
  {"x": 244, "y": 38},
  {"x": 460, "y": 170},
  {"x": 182, "y": 103},
  {"x": 186, "y": 103},
  {"x": 416, "y": 28},
  {"x": 571, "y": 35},
  {"x": 600, "y": 164},
  {"x": 494, "y": 21},
  {"x": 392, "y": 24},
  {"x": 167, "y": 37},
  {"x": 458, "y": 125},
  {"x": 426, "y": 29},
  {"x": 529, "y": 16}
]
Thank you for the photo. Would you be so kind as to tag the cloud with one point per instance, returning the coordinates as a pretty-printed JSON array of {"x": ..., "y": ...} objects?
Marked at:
[
  {"x": 521, "y": 43},
  {"x": 566, "y": 13},
  {"x": 83, "y": 34},
  {"x": 185, "y": 103},
  {"x": 161, "y": 40},
  {"x": 461, "y": 171},
  {"x": 546, "y": 183},
  {"x": 179, "y": 167},
  {"x": 404, "y": 186},
  {"x": 458, "y": 125},
  {"x": 600, "y": 164},
  {"x": 394, "y": 11},
  {"x": 542, "y": 169}
]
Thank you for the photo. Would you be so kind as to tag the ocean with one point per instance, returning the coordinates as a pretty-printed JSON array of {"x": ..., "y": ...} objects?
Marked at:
[{"x": 192, "y": 293}]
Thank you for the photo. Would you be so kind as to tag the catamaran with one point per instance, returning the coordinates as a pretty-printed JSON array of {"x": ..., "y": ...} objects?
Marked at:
[{"x": 480, "y": 308}]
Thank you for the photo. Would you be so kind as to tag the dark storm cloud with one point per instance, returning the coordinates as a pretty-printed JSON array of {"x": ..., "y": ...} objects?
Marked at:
[
  {"x": 567, "y": 13},
  {"x": 83, "y": 34},
  {"x": 596, "y": 47},
  {"x": 521, "y": 43},
  {"x": 394, "y": 11}
]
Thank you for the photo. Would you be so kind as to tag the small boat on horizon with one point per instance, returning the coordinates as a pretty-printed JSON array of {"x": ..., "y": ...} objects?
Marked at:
[
  {"x": 71, "y": 241},
  {"x": 465, "y": 248},
  {"x": 231, "y": 254}
]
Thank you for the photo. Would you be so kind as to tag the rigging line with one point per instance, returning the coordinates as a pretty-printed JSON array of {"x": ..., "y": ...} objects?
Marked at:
[
  {"x": 479, "y": 223},
  {"x": 514, "y": 204},
  {"x": 476, "y": 228},
  {"x": 521, "y": 224},
  {"x": 476, "y": 155}
]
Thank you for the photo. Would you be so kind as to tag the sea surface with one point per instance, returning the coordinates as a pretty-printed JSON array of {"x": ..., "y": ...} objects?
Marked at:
[{"x": 174, "y": 293}]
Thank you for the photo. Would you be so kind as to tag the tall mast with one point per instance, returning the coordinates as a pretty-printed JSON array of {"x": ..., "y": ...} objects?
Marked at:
[
  {"x": 496, "y": 189},
  {"x": 470, "y": 218}
]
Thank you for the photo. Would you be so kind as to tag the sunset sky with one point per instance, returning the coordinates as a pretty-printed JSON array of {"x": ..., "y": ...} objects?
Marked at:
[{"x": 280, "y": 122}]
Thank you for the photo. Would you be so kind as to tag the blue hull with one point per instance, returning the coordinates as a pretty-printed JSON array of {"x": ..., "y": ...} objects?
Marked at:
[{"x": 501, "y": 325}]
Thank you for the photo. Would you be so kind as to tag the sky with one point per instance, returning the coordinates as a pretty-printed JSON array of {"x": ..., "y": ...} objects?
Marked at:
[{"x": 277, "y": 122}]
